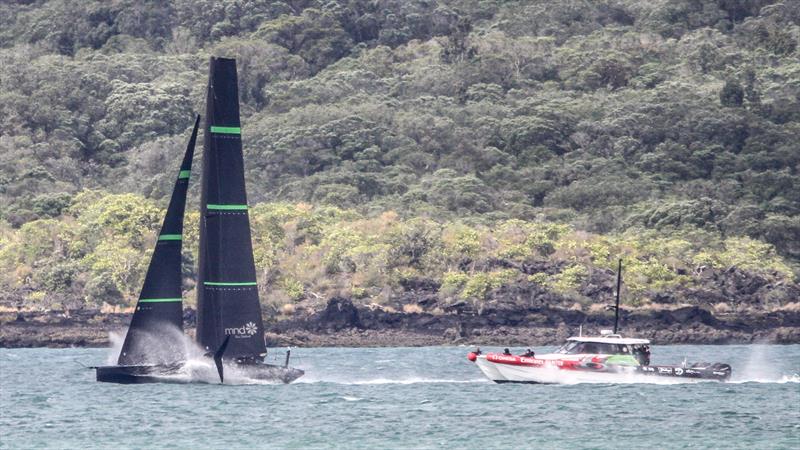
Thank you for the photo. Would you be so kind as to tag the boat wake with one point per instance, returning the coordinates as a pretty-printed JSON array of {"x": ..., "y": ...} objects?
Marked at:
[
  {"x": 795, "y": 378},
  {"x": 564, "y": 380},
  {"x": 203, "y": 370},
  {"x": 760, "y": 367},
  {"x": 379, "y": 381},
  {"x": 745, "y": 377}
]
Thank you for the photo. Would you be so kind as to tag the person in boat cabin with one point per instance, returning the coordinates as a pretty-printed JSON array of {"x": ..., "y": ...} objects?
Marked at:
[
  {"x": 529, "y": 353},
  {"x": 506, "y": 352},
  {"x": 589, "y": 348},
  {"x": 642, "y": 353}
]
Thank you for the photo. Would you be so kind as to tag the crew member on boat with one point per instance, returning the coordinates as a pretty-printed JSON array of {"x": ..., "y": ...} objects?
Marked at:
[{"x": 642, "y": 353}]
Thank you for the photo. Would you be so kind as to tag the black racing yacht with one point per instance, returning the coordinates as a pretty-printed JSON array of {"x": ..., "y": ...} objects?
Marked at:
[{"x": 229, "y": 325}]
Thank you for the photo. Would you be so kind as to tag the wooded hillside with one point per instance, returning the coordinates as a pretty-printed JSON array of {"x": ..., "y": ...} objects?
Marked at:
[{"x": 467, "y": 127}]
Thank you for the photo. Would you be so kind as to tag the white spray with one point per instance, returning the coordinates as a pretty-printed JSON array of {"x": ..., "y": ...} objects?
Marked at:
[
  {"x": 197, "y": 367},
  {"x": 759, "y": 369}
]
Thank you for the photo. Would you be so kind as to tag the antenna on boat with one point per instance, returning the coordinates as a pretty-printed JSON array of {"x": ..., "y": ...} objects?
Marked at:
[{"x": 616, "y": 308}]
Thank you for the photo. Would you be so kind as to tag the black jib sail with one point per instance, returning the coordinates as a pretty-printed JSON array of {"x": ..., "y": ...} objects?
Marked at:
[
  {"x": 227, "y": 294},
  {"x": 154, "y": 334}
]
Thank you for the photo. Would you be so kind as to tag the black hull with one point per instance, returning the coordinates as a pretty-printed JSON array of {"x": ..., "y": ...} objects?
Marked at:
[
  {"x": 714, "y": 372},
  {"x": 137, "y": 374},
  {"x": 173, "y": 373}
]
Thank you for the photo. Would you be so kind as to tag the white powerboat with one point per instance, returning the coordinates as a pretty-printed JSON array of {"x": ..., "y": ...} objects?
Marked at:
[{"x": 608, "y": 358}]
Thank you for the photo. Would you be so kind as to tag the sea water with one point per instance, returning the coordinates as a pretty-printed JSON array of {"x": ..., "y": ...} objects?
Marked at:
[{"x": 430, "y": 397}]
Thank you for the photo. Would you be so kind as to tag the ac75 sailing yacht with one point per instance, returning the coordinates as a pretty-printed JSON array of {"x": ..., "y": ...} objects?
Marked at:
[{"x": 229, "y": 324}]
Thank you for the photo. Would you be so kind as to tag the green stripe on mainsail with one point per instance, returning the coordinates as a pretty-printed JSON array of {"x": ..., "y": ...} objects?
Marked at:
[
  {"x": 220, "y": 283},
  {"x": 226, "y": 130},
  {"x": 169, "y": 237},
  {"x": 184, "y": 174},
  {"x": 159, "y": 300},
  {"x": 227, "y": 207}
]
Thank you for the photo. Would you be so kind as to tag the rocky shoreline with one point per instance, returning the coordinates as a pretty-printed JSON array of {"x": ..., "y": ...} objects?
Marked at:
[{"x": 342, "y": 324}]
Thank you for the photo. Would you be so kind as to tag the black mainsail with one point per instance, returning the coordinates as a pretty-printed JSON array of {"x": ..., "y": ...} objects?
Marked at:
[
  {"x": 229, "y": 324},
  {"x": 158, "y": 319},
  {"x": 227, "y": 293}
]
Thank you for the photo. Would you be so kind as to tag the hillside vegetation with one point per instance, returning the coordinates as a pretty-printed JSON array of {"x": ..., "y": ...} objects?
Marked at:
[{"x": 432, "y": 155}]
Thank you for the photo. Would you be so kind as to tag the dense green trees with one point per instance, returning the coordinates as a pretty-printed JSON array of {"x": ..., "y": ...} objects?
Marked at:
[
  {"x": 611, "y": 115},
  {"x": 96, "y": 252}
]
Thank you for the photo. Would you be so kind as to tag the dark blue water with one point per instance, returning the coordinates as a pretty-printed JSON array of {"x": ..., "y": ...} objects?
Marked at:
[{"x": 400, "y": 398}]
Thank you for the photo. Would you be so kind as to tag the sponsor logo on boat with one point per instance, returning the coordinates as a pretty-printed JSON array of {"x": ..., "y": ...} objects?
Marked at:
[
  {"x": 513, "y": 360},
  {"x": 664, "y": 370},
  {"x": 527, "y": 360},
  {"x": 692, "y": 372},
  {"x": 246, "y": 330},
  {"x": 504, "y": 358},
  {"x": 678, "y": 371},
  {"x": 718, "y": 373}
]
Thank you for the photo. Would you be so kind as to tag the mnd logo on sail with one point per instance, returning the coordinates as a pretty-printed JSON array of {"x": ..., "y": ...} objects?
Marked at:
[{"x": 247, "y": 330}]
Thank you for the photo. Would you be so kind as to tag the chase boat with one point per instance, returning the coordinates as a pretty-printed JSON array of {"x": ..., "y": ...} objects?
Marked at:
[{"x": 608, "y": 358}]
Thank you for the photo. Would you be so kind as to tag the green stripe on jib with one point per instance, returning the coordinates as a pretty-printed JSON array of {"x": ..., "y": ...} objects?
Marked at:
[
  {"x": 159, "y": 300},
  {"x": 226, "y": 130},
  {"x": 221, "y": 283},
  {"x": 169, "y": 237},
  {"x": 183, "y": 174},
  {"x": 227, "y": 207}
]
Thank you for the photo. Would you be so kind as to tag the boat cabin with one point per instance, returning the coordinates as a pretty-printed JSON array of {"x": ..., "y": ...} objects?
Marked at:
[{"x": 608, "y": 344}]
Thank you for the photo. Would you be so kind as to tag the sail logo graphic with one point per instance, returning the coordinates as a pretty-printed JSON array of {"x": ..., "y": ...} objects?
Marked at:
[{"x": 246, "y": 330}]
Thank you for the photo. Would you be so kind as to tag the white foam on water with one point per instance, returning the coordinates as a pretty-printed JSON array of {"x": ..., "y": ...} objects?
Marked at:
[
  {"x": 675, "y": 380},
  {"x": 412, "y": 380},
  {"x": 794, "y": 378},
  {"x": 379, "y": 381},
  {"x": 781, "y": 380},
  {"x": 557, "y": 376},
  {"x": 203, "y": 370},
  {"x": 197, "y": 367},
  {"x": 758, "y": 368},
  {"x": 567, "y": 378},
  {"x": 642, "y": 379},
  {"x": 116, "y": 339},
  {"x": 180, "y": 344}
]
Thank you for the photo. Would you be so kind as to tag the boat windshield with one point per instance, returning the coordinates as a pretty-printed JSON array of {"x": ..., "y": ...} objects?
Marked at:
[{"x": 575, "y": 348}]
